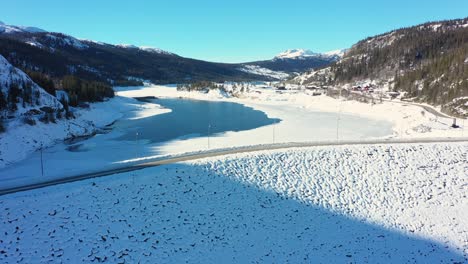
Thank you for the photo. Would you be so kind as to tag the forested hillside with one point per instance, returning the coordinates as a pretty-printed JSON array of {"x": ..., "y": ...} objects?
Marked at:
[
  {"x": 428, "y": 61},
  {"x": 58, "y": 55}
]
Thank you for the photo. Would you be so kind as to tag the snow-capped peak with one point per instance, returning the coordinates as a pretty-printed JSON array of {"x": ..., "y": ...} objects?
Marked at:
[
  {"x": 32, "y": 29},
  {"x": 305, "y": 53},
  {"x": 154, "y": 50},
  {"x": 127, "y": 46},
  {"x": 144, "y": 48},
  {"x": 4, "y": 28},
  {"x": 296, "y": 53}
]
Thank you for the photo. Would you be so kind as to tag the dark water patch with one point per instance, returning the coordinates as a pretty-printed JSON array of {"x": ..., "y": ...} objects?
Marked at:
[{"x": 193, "y": 118}]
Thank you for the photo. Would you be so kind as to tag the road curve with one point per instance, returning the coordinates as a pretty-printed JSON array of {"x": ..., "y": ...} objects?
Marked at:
[
  {"x": 428, "y": 108},
  {"x": 216, "y": 153}
]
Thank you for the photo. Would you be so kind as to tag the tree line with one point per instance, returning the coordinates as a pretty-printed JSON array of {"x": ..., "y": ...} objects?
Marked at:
[{"x": 80, "y": 90}]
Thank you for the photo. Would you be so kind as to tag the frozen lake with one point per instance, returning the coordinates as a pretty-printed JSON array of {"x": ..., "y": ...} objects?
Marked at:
[
  {"x": 186, "y": 129},
  {"x": 193, "y": 118}
]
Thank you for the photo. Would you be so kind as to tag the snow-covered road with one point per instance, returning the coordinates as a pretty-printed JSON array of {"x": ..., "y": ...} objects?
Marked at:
[{"x": 375, "y": 204}]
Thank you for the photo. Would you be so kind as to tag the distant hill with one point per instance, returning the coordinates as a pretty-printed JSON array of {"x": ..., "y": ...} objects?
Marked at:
[
  {"x": 57, "y": 55},
  {"x": 429, "y": 62}
]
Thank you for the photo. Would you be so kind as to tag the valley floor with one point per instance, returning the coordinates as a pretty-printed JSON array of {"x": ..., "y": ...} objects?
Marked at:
[
  {"x": 375, "y": 204},
  {"x": 303, "y": 118}
]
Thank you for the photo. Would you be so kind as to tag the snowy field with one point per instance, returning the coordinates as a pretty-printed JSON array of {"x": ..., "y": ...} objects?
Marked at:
[{"x": 374, "y": 204}]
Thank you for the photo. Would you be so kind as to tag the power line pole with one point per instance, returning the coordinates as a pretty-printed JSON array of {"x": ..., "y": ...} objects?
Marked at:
[
  {"x": 274, "y": 125},
  {"x": 338, "y": 118},
  {"x": 136, "y": 157},
  {"x": 209, "y": 126},
  {"x": 136, "y": 146},
  {"x": 42, "y": 163}
]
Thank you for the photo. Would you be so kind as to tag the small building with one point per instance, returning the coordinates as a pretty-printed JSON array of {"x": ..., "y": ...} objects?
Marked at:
[{"x": 312, "y": 87}]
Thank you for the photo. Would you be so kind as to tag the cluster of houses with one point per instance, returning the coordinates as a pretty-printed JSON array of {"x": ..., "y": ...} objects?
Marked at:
[
  {"x": 315, "y": 89},
  {"x": 368, "y": 88}
]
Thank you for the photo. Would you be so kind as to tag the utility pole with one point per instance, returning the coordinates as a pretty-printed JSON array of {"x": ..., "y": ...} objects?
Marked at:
[
  {"x": 136, "y": 147},
  {"x": 338, "y": 118},
  {"x": 42, "y": 163},
  {"x": 209, "y": 126},
  {"x": 274, "y": 125}
]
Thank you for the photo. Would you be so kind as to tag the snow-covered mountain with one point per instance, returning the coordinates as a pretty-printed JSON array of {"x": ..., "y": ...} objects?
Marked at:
[
  {"x": 296, "y": 53},
  {"x": 18, "y": 29},
  {"x": 60, "y": 55},
  {"x": 40, "y": 38},
  {"x": 299, "y": 60},
  {"x": 21, "y": 93},
  {"x": 52, "y": 40},
  {"x": 305, "y": 53}
]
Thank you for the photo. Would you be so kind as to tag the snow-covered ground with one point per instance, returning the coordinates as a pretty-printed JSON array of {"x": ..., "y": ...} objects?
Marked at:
[
  {"x": 304, "y": 118},
  {"x": 361, "y": 204}
]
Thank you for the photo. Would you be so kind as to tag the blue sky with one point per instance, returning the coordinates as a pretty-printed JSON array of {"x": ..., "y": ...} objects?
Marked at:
[{"x": 228, "y": 31}]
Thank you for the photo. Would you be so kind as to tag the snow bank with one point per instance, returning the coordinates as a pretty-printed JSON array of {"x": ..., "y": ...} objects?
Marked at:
[{"x": 311, "y": 205}]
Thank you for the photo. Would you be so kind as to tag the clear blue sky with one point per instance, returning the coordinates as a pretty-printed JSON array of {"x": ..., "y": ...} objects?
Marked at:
[{"x": 225, "y": 30}]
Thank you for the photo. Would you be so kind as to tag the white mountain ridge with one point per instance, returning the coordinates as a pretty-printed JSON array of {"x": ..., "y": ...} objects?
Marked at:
[
  {"x": 4, "y": 28},
  {"x": 145, "y": 48},
  {"x": 306, "y": 53},
  {"x": 66, "y": 40}
]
